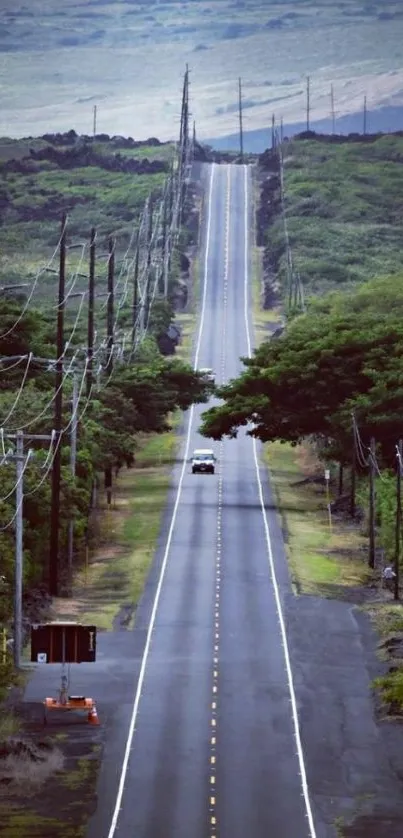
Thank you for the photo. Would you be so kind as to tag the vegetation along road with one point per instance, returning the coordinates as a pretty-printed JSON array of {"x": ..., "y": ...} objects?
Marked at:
[
  {"x": 223, "y": 716},
  {"x": 232, "y": 706}
]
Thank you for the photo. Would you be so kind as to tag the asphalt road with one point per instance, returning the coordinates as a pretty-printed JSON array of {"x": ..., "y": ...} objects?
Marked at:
[
  {"x": 234, "y": 709},
  {"x": 213, "y": 750}
]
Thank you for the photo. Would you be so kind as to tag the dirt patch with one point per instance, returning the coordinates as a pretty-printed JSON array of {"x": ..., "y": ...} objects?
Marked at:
[
  {"x": 47, "y": 776},
  {"x": 378, "y": 826}
]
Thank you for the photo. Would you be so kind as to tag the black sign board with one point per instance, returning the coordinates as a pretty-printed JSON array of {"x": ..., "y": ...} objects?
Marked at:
[{"x": 63, "y": 643}]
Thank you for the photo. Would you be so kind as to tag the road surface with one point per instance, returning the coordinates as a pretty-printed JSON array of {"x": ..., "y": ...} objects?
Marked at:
[
  {"x": 212, "y": 749},
  {"x": 197, "y": 704}
]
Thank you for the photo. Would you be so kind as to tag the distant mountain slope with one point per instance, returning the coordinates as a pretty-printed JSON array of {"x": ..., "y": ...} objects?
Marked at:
[{"x": 382, "y": 120}]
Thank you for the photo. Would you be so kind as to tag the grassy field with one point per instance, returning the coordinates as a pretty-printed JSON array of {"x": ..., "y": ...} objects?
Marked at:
[
  {"x": 87, "y": 181},
  {"x": 264, "y": 320},
  {"x": 112, "y": 583},
  {"x": 324, "y": 555},
  {"x": 344, "y": 205}
]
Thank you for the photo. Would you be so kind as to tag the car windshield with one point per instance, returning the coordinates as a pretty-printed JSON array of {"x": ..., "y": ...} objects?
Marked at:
[{"x": 203, "y": 456}]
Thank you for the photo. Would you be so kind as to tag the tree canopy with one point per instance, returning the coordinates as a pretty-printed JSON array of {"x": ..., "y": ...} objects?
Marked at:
[
  {"x": 344, "y": 355},
  {"x": 139, "y": 397}
]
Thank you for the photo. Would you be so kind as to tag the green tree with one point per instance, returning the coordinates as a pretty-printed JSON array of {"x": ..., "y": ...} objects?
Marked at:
[{"x": 344, "y": 355}]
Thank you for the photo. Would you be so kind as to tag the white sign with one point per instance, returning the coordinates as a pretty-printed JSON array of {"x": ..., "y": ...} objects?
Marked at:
[
  {"x": 42, "y": 657},
  {"x": 327, "y": 474}
]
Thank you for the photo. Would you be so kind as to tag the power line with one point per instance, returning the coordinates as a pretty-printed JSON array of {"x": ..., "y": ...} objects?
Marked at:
[{"x": 39, "y": 273}]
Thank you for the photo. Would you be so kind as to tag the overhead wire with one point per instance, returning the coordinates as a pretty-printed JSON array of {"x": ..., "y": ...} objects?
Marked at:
[
  {"x": 12, "y": 366},
  {"x": 18, "y": 481},
  {"x": 21, "y": 427},
  {"x": 29, "y": 298},
  {"x": 18, "y": 507},
  {"x": 18, "y": 396}
]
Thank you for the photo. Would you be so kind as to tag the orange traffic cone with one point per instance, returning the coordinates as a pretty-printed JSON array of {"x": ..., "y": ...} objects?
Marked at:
[{"x": 93, "y": 716}]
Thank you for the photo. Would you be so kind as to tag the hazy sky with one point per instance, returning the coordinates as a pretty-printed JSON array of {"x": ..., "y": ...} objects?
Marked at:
[{"x": 128, "y": 58}]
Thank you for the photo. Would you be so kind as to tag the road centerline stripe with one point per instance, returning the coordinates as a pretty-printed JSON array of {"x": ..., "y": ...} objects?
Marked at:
[{"x": 138, "y": 692}]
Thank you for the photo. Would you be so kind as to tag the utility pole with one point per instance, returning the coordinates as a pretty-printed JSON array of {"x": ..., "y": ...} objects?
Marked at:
[
  {"x": 371, "y": 557},
  {"x": 91, "y": 296},
  {"x": 281, "y": 130},
  {"x": 365, "y": 116},
  {"x": 19, "y": 499},
  {"x": 163, "y": 289},
  {"x": 308, "y": 102},
  {"x": 398, "y": 517},
  {"x": 56, "y": 470},
  {"x": 273, "y": 131},
  {"x": 186, "y": 113},
  {"x": 110, "y": 336},
  {"x": 20, "y": 460},
  {"x": 332, "y": 110},
  {"x": 135, "y": 307},
  {"x": 110, "y": 305},
  {"x": 353, "y": 478},
  {"x": 73, "y": 456},
  {"x": 148, "y": 271},
  {"x": 194, "y": 133},
  {"x": 94, "y": 129},
  {"x": 240, "y": 120},
  {"x": 341, "y": 476}
]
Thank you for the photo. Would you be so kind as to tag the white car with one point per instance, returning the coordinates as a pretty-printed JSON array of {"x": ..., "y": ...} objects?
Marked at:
[
  {"x": 208, "y": 374},
  {"x": 203, "y": 461}
]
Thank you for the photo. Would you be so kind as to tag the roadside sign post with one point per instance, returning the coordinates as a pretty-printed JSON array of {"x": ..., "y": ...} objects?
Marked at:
[{"x": 65, "y": 643}]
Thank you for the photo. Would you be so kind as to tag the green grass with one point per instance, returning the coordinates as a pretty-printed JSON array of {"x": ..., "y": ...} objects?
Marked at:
[
  {"x": 262, "y": 318},
  {"x": 27, "y": 824},
  {"x": 321, "y": 557},
  {"x": 391, "y": 687},
  {"x": 150, "y": 152},
  {"x": 117, "y": 572},
  {"x": 344, "y": 204},
  {"x": 10, "y": 724},
  {"x": 186, "y": 322},
  {"x": 387, "y": 618},
  {"x": 92, "y": 195}
]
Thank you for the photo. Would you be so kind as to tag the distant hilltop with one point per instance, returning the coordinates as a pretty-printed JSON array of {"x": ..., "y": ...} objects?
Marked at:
[{"x": 385, "y": 120}]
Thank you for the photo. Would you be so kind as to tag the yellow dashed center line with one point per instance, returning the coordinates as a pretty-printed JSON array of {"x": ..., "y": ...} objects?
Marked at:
[{"x": 216, "y": 636}]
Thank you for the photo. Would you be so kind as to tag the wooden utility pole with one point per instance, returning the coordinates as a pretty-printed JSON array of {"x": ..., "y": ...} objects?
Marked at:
[
  {"x": 110, "y": 305},
  {"x": 58, "y": 408},
  {"x": 149, "y": 259},
  {"x": 163, "y": 289},
  {"x": 240, "y": 120},
  {"x": 308, "y": 103},
  {"x": 341, "y": 476},
  {"x": 94, "y": 127},
  {"x": 365, "y": 116},
  {"x": 109, "y": 338},
  {"x": 19, "y": 498},
  {"x": 353, "y": 478},
  {"x": 273, "y": 131},
  {"x": 135, "y": 305},
  {"x": 332, "y": 110},
  {"x": 371, "y": 556},
  {"x": 21, "y": 461},
  {"x": 73, "y": 460},
  {"x": 90, "y": 330},
  {"x": 398, "y": 517},
  {"x": 281, "y": 130}
]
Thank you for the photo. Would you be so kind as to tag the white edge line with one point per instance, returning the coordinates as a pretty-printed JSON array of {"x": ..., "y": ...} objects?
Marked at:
[
  {"x": 300, "y": 753},
  {"x": 144, "y": 660}
]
